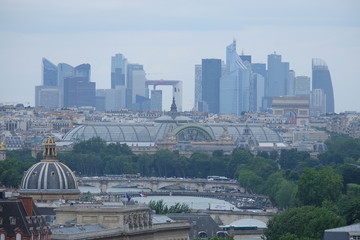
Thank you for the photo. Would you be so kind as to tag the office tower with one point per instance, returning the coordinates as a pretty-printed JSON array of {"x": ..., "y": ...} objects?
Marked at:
[
  {"x": 78, "y": 92},
  {"x": 258, "y": 89},
  {"x": 110, "y": 99},
  {"x": 245, "y": 58},
  {"x": 302, "y": 86},
  {"x": 235, "y": 84},
  {"x": 211, "y": 74},
  {"x": 198, "y": 86},
  {"x": 291, "y": 83},
  {"x": 277, "y": 78},
  {"x": 321, "y": 79},
  {"x": 83, "y": 70},
  {"x": 130, "y": 98},
  {"x": 259, "y": 68},
  {"x": 156, "y": 100},
  {"x": 48, "y": 96},
  {"x": 49, "y": 73},
  {"x": 136, "y": 81},
  {"x": 317, "y": 102},
  {"x": 118, "y": 70},
  {"x": 64, "y": 70}
]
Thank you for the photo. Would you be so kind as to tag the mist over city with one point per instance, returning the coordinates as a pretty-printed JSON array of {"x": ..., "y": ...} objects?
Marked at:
[{"x": 154, "y": 119}]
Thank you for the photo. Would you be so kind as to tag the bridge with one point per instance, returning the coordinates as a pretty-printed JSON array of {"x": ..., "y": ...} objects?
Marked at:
[
  {"x": 228, "y": 217},
  {"x": 159, "y": 184}
]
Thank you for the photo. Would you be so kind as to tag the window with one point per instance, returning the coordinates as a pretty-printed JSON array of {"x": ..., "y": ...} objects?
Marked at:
[
  {"x": 12, "y": 222},
  {"x": 1, "y": 220},
  {"x": 2, "y": 236},
  {"x": 18, "y": 236},
  {"x": 1, "y": 208}
]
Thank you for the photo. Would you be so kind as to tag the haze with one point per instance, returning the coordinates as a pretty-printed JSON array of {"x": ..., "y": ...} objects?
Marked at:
[{"x": 170, "y": 37}]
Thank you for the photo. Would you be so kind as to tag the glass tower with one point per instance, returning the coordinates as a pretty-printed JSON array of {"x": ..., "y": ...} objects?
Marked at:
[
  {"x": 211, "y": 74},
  {"x": 278, "y": 73},
  {"x": 321, "y": 79},
  {"x": 235, "y": 84},
  {"x": 83, "y": 70},
  {"x": 49, "y": 73},
  {"x": 118, "y": 70}
]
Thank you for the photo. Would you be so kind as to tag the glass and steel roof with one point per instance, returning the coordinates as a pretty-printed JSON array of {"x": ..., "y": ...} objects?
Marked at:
[{"x": 151, "y": 133}]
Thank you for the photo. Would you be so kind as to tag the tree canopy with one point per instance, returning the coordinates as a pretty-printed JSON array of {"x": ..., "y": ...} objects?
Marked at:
[{"x": 304, "y": 222}]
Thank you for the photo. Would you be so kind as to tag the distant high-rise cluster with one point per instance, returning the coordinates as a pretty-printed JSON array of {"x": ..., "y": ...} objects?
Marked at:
[
  {"x": 127, "y": 87},
  {"x": 65, "y": 86},
  {"x": 241, "y": 86}
]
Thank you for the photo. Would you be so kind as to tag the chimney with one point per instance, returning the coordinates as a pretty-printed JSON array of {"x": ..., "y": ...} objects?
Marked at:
[{"x": 27, "y": 203}]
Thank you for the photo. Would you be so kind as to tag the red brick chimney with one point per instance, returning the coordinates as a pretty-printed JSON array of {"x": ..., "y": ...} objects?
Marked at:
[{"x": 27, "y": 203}]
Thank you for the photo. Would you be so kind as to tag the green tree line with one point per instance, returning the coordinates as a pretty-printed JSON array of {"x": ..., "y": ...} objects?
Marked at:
[{"x": 292, "y": 179}]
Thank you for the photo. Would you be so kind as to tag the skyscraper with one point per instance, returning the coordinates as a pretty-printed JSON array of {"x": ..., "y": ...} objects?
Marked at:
[
  {"x": 64, "y": 70},
  {"x": 211, "y": 74},
  {"x": 291, "y": 83},
  {"x": 110, "y": 99},
  {"x": 277, "y": 78},
  {"x": 118, "y": 70},
  {"x": 49, "y": 73},
  {"x": 317, "y": 102},
  {"x": 302, "y": 86},
  {"x": 259, "y": 92},
  {"x": 48, "y": 96},
  {"x": 321, "y": 79},
  {"x": 83, "y": 70},
  {"x": 198, "y": 86},
  {"x": 135, "y": 85},
  {"x": 235, "y": 84},
  {"x": 156, "y": 100},
  {"x": 79, "y": 92}
]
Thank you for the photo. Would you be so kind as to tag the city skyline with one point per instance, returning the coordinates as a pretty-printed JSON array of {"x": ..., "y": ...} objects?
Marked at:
[{"x": 169, "y": 39}]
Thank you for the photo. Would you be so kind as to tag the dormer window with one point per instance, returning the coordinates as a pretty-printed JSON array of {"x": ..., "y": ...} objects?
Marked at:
[
  {"x": 34, "y": 173},
  {"x": 52, "y": 173},
  {"x": 12, "y": 220}
]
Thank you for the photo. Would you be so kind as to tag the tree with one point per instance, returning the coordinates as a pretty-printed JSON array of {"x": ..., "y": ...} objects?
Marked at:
[
  {"x": 289, "y": 159},
  {"x": 290, "y": 236},
  {"x": 93, "y": 145},
  {"x": 239, "y": 156},
  {"x": 318, "y": 186},
  {"x": 304, "y": 222},
  {"x": 161, "y": 208},
  {"x": 285, "y": 195},
  {"x": 249, "y": 179},
  {"x": 352, "y": 211}
]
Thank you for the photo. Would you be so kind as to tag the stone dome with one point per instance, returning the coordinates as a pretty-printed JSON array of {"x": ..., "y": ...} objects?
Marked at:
[{"x": 49, "y": 177}]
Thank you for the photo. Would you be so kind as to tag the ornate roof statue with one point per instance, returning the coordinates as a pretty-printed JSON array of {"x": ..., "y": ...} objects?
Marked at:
[
  {"x": 173, "y": 109},
  {"x": 2, "y": 146}
]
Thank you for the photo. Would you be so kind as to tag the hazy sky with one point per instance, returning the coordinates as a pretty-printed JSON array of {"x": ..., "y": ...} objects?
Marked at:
[{"x": 170, "y": 36}]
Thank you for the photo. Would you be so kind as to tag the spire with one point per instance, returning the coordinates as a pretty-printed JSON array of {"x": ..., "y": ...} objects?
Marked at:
[
  {"x": 49, "y": 153},
  {"x": 173, "y": 109},
  {"x": 173, "y": 106}
]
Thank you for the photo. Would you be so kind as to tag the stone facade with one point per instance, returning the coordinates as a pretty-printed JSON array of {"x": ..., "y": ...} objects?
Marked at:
[{"x": 129, "y": 222}]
